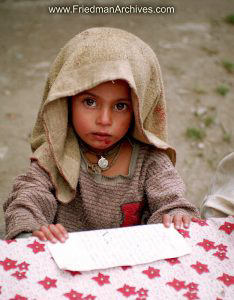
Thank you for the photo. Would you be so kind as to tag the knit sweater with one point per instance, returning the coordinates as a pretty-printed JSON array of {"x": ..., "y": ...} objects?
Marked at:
[{"x": 151, "y": 188}]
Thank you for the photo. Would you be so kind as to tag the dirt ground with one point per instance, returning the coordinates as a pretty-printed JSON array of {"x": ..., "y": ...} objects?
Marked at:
[{"x": 194, "y": 46}]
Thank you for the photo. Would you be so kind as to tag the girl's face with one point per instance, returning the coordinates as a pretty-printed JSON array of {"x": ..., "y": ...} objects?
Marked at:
[{"x": 102, "y": 115}]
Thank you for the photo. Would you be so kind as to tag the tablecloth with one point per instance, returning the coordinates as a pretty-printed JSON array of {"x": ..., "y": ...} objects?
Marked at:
[{"x": 27, "y": 271}]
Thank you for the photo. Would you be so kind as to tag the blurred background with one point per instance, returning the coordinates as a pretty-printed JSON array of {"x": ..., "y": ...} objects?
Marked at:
[{"x": 194, "y": 46}]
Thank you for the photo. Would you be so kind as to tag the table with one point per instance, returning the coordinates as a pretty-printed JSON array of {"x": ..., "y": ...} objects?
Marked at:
[{"x": 27, "y": 271}]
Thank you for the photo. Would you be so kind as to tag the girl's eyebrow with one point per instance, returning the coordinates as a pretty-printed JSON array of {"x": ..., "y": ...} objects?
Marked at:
[
  {"x": 94, "y": 95},
  {"x": 87, "y": 93}
]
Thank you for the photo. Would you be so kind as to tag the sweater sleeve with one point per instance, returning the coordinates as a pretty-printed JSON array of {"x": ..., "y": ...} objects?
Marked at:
[
  {"x": 165, "y": 189},
  {"x": 31, "y": 203}
]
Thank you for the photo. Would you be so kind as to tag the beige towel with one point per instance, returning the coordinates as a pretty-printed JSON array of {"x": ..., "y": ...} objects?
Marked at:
[{"x": 92, "y": 57}]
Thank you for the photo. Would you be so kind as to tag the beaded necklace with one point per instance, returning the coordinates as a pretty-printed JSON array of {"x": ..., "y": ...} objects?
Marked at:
[{"x": 106, "y": 159}]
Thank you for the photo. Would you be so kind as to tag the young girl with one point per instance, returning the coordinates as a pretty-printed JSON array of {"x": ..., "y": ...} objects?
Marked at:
[{"x": 100, "y": 153}]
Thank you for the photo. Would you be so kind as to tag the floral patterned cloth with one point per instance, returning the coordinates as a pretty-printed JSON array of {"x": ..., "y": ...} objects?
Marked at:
[{"x": 27, "y": 271}]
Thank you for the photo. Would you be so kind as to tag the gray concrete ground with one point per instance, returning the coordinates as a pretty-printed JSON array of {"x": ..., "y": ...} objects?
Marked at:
[{"x": 192, "y": 45}]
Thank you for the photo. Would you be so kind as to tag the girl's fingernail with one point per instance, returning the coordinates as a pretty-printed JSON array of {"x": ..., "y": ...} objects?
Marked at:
[
  {"x": 186, "y": 225},
  {"x": 53, "y": 241},
  {"x": 62, "y": 239},
  {"x": 177, "y": 226}
]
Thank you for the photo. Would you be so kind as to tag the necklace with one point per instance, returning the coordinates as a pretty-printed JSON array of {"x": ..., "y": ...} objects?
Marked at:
[{"x": 104, "y": 157}]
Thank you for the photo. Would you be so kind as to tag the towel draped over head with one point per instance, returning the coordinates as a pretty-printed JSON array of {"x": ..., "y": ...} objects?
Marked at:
[{"x": 92, "y": 57}]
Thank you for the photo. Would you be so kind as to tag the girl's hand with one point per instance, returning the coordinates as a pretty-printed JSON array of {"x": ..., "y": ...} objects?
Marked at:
[
  {"x": 51, "y": 233},
  {"x": 178, "y": 221}
]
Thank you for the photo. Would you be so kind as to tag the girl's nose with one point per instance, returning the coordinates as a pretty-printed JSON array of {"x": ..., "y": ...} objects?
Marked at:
[{"x": 104, "y": 117}]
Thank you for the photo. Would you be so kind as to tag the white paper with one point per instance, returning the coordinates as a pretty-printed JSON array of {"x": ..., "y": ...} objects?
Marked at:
[{"x": 126, "y": 246}]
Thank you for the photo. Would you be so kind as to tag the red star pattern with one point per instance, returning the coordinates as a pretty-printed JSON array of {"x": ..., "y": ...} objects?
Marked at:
[
  {"x": 226, "y": 279},
  {"x": 191, "y": 296},
  {"x": 127, "y": 290},
  {"x": 200, "y": 222},
  {"x": 173, "y": 261},
  {"x": 222, "y": 247},
  {"x": 8, "y": 264},
  {"x": 19, "y": 275},
  {"x": 200, "y": 268},
  {"x": 221, "y": 255},
  {"x": 207, "y": 245},
  {"x": 10, "y": 241},
  {"x": 18, "y": 297},
  {"x": 177, "y": 284},
  {"x": 73, "y": 295},
  {"x": 142, "y": 293},
  {"x": 227, "y": 227},
  {"x": 183, "y": 232},
  {"x": 152, "y": 272},
  {"x": 89, "y": 297},
  {"x": 192, "y": 286},
  {"x": 37, "y": 247},
  {"x": 101, "y": 279},
  {"x": 48, "y": 283},
  {"x": 23, "y": 266},
  {"x": 74, "y": 273},
  {"x": 126, "y": 267},
  {"x": 18, "y": 272}
]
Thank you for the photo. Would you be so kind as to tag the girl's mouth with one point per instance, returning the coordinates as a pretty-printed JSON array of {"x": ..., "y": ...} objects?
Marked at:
[{"x": 101, "y": 136}]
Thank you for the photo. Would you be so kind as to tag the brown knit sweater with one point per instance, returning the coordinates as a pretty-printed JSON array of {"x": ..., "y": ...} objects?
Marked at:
[{"x": 152, "y": 188}]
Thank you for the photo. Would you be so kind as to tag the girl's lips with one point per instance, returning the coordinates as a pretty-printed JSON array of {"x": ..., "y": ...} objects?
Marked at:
[{"x": 101, "y": 136}]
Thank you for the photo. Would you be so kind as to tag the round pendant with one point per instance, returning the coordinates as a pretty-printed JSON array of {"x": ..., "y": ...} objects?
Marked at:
[{"x": 103, "y": 163}]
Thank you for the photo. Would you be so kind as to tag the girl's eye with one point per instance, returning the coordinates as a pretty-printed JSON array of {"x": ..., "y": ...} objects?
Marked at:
[
  {"x": 90, "y": 102},
  {"x": 121, "y": 106}
]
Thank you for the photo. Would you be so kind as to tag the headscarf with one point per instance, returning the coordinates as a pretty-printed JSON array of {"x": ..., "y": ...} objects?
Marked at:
[{"x": 92, "y": 57}]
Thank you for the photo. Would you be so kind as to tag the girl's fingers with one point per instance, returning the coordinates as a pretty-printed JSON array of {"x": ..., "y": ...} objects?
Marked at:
[
  {"x": 51, "y": 233},
  {"x": 57, "y": 233},
  {"x": 177, "y": 220},
  {"x": 186, "y": 221},
  {"x": 166, "y": 220},
  {"x": 40, "y": 235},
  {"x": 48, "y": 233},
  {"x": 62, "y": 230}
]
